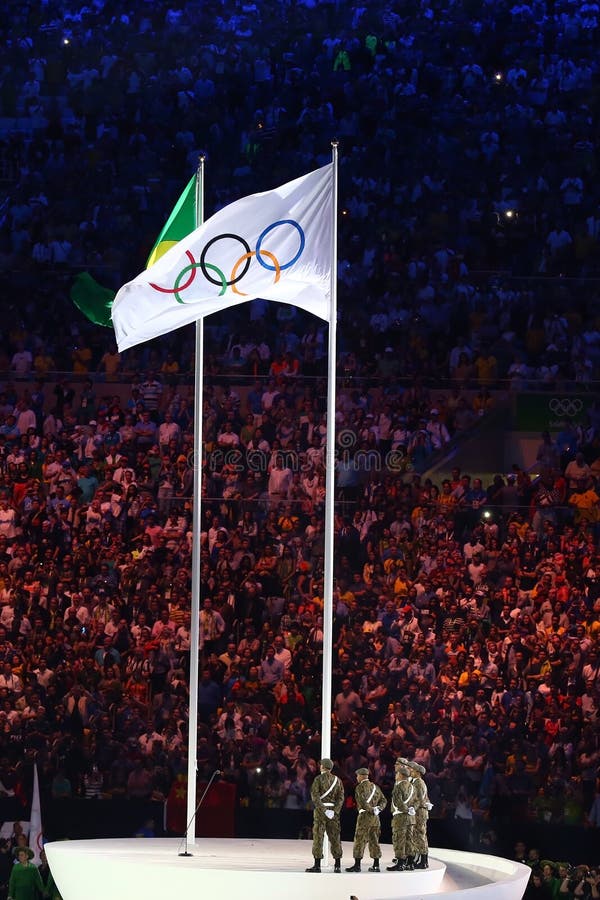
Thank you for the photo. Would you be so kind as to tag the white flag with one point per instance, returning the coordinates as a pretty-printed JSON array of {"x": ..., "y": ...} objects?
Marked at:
[
  {"x": 36, "y": 839},
  {"x": 277, "y": 245}
]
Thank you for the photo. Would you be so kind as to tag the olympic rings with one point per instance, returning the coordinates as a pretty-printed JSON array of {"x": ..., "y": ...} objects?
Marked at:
[
  {"x": 219, "y": 278},
  {"x": 193, "y": 267},
  {"x": 212, "y": 241},
  {"x": 266, "y": 232},
  {"x": 565, "y": 406},
  {"x": 276, "y": 268}
]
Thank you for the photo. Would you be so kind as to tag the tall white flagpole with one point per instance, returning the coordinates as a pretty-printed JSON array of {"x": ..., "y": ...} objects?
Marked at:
[
  {"x": 36, "y": 835},
  {"x": 196, "y": 461},
  {"x": 328, "y": 610}
]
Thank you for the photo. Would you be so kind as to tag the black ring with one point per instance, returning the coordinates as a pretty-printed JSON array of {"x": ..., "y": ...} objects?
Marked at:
[{"x": 217, "y": 281}]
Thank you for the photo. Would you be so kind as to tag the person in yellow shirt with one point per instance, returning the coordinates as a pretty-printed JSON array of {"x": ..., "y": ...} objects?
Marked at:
[
  {"x": 469, "y": 674},
  {"x": 170, "y": 369},
  {"x": 82, "y": 357},
  {"x": 401, "y": 584},
  {"x": 110, "y": 362},
  {"x": 585, "y": 502},
  {"x": 486, "y": 367},
  {"x": 43, "y": 363},
  {"x": 447, "y": 498}
]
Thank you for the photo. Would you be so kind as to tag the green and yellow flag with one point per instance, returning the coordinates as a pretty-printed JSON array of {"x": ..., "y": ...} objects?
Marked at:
[
  {"x": 180, "y": 223},
  {"x": 94, "y": 300}
]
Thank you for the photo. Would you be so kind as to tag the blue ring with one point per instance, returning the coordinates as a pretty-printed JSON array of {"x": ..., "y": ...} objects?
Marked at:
[{"x": 265, "y": 233}]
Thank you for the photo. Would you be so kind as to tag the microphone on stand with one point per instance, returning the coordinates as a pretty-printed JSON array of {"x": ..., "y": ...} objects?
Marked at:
[{"x": 193, "y": 819}]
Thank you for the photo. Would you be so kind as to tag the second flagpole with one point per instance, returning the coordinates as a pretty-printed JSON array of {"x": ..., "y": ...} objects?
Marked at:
[
  {"x": 196, "y": 461},
  {"x": 328, "y": 609}
]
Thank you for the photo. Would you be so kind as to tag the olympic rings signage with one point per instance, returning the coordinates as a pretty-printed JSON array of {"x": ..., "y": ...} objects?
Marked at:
[
  {"x": 535, "y": 411},
  {"x": 565, "y": 406},
  {"x": 236, "y": 273}
]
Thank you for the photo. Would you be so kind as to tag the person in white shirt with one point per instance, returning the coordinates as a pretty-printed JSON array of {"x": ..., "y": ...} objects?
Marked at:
[
  {"x": 280, "y": 479},
  {"x": 8, "y": 613},
  {"x": 8, "y": 519},
  {"x": 182, "y": 635},
  {"x": 282, "y": 653},
  {"x": 43, "y": 674},
  {"x": 25, "y": 417},
  {"x": 437, "y": 431},
  {"x": 21, "y": 362},
  {"x": 269, "y": 396},
  {"x": 168, "y": 431},
  {"x": 315, "y": 454},
  {"x": 228, "y": 439}
]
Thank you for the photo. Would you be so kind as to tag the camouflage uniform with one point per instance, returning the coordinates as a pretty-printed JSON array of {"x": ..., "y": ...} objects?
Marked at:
[
  {"x": 421, "y": 805},
  {"x": 368, "y": 797},
  {"x": 403, "y": 795},
  {"x": 327, "y": 792}
]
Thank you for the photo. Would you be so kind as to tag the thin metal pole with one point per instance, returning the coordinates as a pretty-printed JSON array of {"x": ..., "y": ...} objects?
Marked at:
[
  {"x": 196, "y": 461},
  {"x": 328, "y": 610}
]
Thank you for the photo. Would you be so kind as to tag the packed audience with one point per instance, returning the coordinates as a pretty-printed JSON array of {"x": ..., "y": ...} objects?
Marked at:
[
  {"x": 466, "y": 616},
  {"x": 452, "y": 214},
  {"x": 467, "y": 612},
  {"x": 557, "y": 879}
]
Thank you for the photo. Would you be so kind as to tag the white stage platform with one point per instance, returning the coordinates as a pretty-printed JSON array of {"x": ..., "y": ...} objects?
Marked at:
[{"x": 261, "y": 869}]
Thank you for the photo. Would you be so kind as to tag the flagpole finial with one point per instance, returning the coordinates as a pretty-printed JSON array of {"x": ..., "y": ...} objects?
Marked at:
[{"x": 334, "y": 142}]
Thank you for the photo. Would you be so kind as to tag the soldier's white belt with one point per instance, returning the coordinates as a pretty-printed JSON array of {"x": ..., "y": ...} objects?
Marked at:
[{"x": 329, "y": 804}]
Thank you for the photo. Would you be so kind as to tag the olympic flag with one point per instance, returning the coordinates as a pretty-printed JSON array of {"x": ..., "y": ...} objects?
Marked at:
[{"x": 277, "y": 245}]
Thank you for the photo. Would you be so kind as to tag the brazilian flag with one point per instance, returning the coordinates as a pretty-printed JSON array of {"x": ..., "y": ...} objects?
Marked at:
[
  {"x": 180, "y": 223},
  {"x": 94, "y": 300}
]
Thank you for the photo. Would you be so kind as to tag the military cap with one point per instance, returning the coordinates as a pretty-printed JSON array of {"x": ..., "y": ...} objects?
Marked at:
[
  {"x": 403, "y": 770},
  {"x": 417, "y": 767},
  {"x": 362, "y": 771},
  {"x": 326, "y": 764}
]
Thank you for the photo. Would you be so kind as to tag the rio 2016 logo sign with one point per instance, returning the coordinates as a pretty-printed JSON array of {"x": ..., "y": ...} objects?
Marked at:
[{"x": 215, "y": 274}]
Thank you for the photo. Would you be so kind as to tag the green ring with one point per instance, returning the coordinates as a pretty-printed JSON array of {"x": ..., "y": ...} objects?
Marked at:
[{"x": 197, "y": 265}]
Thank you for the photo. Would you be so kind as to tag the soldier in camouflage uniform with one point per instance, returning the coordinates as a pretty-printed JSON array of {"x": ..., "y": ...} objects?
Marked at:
[
  {"x": 370, "y": 801},
  {"x": 422, "y": 806},
  {"x": 403, "y": 817},
  {"x": 327, "y": 795}
]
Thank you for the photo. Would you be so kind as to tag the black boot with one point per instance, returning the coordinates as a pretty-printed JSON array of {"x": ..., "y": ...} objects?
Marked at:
[
  {"x": 316, "y": 867},
  {"x": 423, "y": 861},
  {"x": 355, "y": 867},
  {"x": 375, "y": 866},
  {"x": 397, "y": 865},
  {"x": 410, "y": 864},
  {"x": 337, "y": 867}
]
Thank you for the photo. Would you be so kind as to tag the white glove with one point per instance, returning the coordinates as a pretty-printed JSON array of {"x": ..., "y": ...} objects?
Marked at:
[
  {"x": 430, "y": 806},
  {"x": 376, "y": 810},
  {"x": 411, "y": 810},
  {"x": 329, "y": 813}
]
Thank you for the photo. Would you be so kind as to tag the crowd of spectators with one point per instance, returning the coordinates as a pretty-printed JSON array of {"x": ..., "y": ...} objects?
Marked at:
[
  {"x": 452, "y": 213},
  {"x": 467, "y": 613},
  {"x": 551, "y": 879},
  {"x": 466, "y": 624}
]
